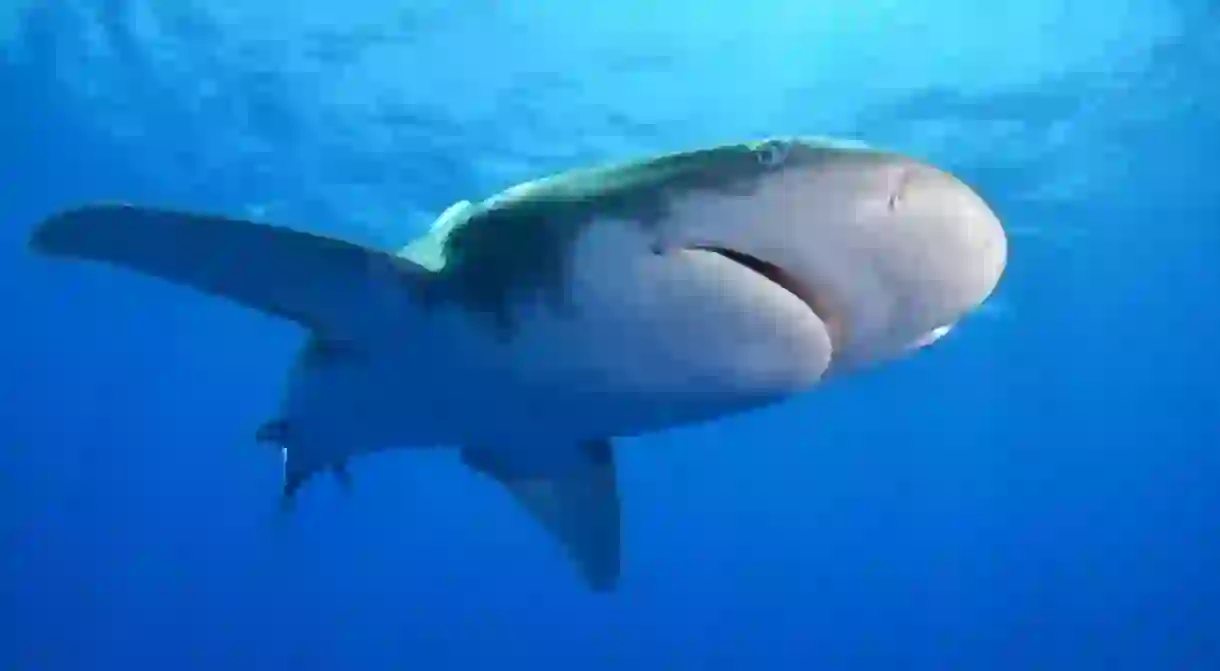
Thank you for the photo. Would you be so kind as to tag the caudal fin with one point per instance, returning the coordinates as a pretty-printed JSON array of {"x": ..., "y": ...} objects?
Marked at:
[{"x": 323, "y": 283}]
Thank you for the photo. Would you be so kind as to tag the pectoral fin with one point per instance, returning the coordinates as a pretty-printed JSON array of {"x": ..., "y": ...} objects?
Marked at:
[{"x": 577, "y": 503}]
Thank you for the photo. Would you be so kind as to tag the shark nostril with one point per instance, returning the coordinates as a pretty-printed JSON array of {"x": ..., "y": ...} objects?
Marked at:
[{"x": 898, "y": 188}]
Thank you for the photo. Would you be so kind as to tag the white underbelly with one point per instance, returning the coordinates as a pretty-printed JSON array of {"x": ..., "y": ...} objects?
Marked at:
[
  {"x": 667, "y": 342},
  {"x": 640, "y": 343}
]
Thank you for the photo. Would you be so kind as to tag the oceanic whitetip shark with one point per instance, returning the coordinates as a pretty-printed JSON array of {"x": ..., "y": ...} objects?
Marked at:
[{"x": 532, "y": 328}]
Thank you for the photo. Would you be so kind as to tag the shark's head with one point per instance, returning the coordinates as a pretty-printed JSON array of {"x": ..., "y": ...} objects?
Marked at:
[
  {"x": 728, "y": 277},
  {"x": 886, "y": 251}
]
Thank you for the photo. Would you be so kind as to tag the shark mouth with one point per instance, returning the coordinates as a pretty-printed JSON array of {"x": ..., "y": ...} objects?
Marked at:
[{"x": 782, "y": 278}]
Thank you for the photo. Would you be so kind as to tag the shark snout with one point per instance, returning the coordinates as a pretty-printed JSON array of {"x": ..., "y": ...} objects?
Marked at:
[
  {"x": 915, "y": 252},
  {"x": 942, "y": 257}
]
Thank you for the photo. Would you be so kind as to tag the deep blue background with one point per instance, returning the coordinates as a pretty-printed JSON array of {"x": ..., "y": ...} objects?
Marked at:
[{"x": 1038, "y": 491}]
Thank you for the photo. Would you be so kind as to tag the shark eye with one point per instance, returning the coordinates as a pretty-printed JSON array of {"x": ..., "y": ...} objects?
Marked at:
[{"x": 771, "y": 154}]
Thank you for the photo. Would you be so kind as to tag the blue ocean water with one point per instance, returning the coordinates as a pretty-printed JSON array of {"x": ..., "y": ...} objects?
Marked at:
[{"x": 1038, "y": 491}]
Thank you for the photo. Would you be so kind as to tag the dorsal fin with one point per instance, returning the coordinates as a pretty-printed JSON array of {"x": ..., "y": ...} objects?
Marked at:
[
  {"x": 453, "y": 215},
  {"x": 428, "y": 249}
]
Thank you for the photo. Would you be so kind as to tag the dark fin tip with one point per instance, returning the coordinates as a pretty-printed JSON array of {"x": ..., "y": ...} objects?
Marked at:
[{"x": 275, "y": 431}]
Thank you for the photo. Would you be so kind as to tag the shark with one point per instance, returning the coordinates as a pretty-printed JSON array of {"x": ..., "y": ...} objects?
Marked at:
[{"x": 531, "y": 330}]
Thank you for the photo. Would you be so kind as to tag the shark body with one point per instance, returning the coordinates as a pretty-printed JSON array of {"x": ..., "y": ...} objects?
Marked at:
[{"x": 532, "y": 328}]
